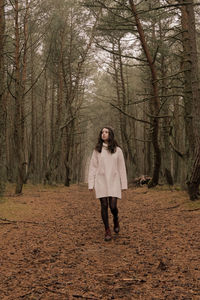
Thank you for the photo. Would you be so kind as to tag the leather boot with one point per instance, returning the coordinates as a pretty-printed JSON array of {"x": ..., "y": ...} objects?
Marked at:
[
  {"x": 116, "y": 225},
  {"x": 108, "y": 235}
]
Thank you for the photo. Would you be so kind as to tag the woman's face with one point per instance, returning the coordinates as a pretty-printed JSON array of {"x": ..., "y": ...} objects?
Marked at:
[{"x": 105, "y": 134}]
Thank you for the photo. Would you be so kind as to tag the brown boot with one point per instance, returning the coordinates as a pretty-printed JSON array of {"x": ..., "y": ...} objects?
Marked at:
[
  {"x": 108, "y": 235},
  {"x": 116, "y": 225}
]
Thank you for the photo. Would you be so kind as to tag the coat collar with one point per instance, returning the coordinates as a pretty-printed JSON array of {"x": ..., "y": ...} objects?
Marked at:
[{"x": 105, "y": 145}]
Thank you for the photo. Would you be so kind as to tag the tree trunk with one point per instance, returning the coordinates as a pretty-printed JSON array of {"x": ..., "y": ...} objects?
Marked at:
[
  {"x": 2, "y": 102},
  {"x": 194, "y": 179},
  {"x": 192, "y": 97},
  {"x": 166, "y": 154},
  {"x": 33, "y": 117},
  {"x": 124, "y": 105},
  {"x": 154, "y": 102},
  {"x": 46, "y": 139},
  {"x": 18, "y": 139},
  {"x": 67, "y": 155}
]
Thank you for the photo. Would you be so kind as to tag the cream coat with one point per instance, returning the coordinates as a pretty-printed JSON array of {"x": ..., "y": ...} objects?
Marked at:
[{"x": 107, "y": 173}]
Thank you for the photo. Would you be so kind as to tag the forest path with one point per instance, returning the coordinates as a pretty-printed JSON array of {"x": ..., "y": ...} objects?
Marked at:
[{"x": 54, "y": 247}]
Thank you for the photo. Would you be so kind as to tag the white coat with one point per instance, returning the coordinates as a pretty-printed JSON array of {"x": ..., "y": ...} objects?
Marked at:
[{"x": 107, "y": 173}]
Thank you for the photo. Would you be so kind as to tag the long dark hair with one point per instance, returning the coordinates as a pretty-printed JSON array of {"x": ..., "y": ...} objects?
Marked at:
[{"x": 112, "y": 143}]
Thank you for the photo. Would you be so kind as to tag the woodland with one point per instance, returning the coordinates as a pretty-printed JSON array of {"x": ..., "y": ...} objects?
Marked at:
[{"x": 69, "y": 68}]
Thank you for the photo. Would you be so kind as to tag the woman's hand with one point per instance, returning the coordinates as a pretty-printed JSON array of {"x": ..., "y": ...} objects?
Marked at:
[
  {"x": 124, "y": 194},
  {"x": 91, "y": 194}
]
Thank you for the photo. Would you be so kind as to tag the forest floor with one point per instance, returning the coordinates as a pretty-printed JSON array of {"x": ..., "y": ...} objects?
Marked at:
[{"x": 52, "y": 246}]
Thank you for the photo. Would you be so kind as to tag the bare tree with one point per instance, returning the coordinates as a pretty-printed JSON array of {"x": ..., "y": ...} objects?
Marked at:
[
  {"x": 2, "y": 100},
  {"x": 155, "y": 101}
]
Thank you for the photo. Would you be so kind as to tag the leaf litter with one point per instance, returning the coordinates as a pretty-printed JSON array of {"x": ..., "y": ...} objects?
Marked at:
[{"x": 52, "y": 246}]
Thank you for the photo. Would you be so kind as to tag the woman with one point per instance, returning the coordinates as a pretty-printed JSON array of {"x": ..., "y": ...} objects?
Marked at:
[{"x": 107, "y": 175}]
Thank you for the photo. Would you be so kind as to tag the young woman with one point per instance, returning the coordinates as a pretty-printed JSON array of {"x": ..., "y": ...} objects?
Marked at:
[{"x": 107, "y": 175}]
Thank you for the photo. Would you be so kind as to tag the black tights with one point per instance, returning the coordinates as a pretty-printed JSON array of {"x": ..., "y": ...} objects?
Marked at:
[{"x": 104, "y": 209}]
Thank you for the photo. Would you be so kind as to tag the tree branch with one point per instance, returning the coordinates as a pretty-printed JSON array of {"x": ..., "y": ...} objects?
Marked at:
[
  {"x": 116, "y": 53},
  {"x": 130, "y": 116}
]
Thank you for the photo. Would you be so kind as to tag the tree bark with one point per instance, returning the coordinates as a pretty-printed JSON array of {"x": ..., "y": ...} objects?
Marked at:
[
  {"x": 192, "y": 97},
  {"x": 166, "y": 156},
  {"x": 154, "y": 102},
  {"x": 124, "y": 105},
  {"x": 18, "y": 139},
  {"x": 33, "y": 116},
  {"x": 2, "y": 102}
]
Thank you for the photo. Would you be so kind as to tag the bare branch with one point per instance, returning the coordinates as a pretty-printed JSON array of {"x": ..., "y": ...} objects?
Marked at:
[
  {"x": 116, "y": 53},
  {"x": 130, "y": 116}
]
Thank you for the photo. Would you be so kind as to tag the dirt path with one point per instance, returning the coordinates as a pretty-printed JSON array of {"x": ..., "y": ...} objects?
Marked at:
[{"x": 55, "y": 247}]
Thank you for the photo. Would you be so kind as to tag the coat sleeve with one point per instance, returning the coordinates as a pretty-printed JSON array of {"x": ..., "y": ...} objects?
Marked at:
[
  {"x": 122, "y": 170},
  {"x": 92, "y": 170}
]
